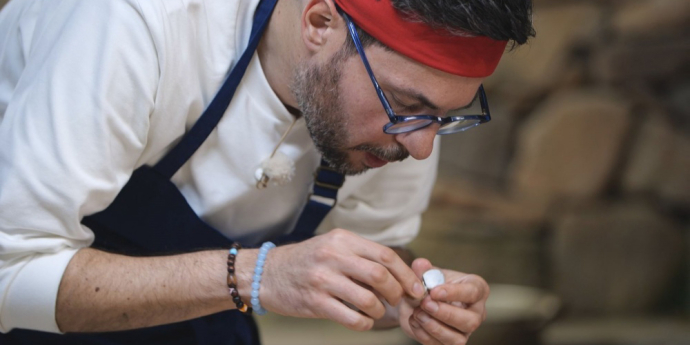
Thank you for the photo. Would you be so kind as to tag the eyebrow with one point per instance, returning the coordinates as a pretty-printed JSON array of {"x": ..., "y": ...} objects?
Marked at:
[{"x": 419, "y": 97}]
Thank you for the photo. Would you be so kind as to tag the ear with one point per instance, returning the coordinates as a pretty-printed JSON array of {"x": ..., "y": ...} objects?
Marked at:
[{"x": 320, "y": 20}]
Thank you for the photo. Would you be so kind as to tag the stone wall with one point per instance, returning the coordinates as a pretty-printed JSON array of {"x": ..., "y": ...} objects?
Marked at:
[{"x": 581, "y": 182}]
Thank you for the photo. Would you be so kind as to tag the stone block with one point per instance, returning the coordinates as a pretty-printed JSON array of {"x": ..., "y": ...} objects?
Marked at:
[
  {"x": 647, "y": 19},
  {"x": 646, "y": 60},
  {"x": 487, "y": 202},
  {"x": 623, "y": 330},
  {"x": 678, "y": 101},
  {"x": 615, "y": 259},
  {"x": 687, "y": 270},
  {"x": 499, "y": 252},
  {"x": 547, "y": 59},
  {"x": 659, "y": 162},
  {"x": 652, "y": 147},
  {"x": 570, "y": 144}
]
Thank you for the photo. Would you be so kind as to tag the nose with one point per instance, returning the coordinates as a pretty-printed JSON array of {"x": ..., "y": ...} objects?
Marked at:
[{"x": 419, "y": 143}]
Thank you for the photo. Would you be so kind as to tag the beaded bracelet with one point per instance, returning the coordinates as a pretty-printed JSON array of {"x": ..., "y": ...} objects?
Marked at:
[
  {"x": 232, "y": 280},
  {"x": 258, "y": 270}
]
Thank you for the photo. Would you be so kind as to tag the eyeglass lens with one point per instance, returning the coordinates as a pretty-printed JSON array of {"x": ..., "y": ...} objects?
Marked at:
[
  {"x": 447, "y": 128},
  {"x": 457, "y": 126},
  {"x": 408, "y": 126}
]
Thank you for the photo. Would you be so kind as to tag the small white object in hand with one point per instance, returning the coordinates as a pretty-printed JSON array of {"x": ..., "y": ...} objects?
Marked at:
[
  {"x": 279, "y": 169},
  {"x": 433, "y": 278}
]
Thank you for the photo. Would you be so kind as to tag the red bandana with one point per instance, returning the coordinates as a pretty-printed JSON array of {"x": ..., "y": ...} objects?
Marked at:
[{"x": 475, "y": 57}]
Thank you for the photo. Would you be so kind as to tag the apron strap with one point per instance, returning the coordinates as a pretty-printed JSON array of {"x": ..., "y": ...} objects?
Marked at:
[
  {"x": 327, "y": 182},
  {"x": 203, "y": 127}
]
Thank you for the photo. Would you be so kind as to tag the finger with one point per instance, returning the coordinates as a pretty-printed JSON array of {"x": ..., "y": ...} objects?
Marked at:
[
  {"x": 388, "y": 258},
  {"x": 359, "y": 297},
  {"x": 342, "y": 314},
  {"x": 421, "y": 265},
  {"x": 470, "y": 290},
  {"x": 439, "y": 331},
  {"x": 461, "y": 319},
  {"x": 420, "y": 334},
  {"x": 376, "y": 276}
]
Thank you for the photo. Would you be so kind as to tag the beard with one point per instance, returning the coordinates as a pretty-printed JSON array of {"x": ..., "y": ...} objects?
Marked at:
[{"x": 317, "y": 91}]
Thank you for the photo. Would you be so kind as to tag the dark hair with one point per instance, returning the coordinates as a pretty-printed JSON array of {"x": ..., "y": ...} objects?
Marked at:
[{"x": 504, "y": 20}]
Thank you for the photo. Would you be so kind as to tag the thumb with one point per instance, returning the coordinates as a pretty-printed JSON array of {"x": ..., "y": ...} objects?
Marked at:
[{"x": 421, "y": 265}]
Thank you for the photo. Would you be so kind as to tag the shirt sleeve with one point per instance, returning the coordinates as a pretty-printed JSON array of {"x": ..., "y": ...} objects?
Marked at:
[
  {"x": 385, "y": 205},
  {"x": 71, "y": 135}
]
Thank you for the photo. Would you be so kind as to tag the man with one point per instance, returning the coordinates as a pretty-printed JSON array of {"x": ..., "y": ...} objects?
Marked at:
[{"x": 101, "y": 106}]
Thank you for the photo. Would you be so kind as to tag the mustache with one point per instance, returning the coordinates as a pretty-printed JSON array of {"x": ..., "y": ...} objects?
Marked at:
[{"x": 391, "y": 153}]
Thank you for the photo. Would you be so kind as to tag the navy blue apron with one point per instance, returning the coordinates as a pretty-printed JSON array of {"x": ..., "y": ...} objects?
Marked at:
[{"x": 151, "y": 217}]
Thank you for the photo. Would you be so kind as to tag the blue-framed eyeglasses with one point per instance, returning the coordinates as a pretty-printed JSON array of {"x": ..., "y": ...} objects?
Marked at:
[{"x": 408, "y": 123}]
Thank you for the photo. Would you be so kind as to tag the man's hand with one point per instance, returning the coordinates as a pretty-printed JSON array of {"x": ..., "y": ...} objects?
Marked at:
[
  {"x": 320, "y": 277},
  {"x": 450, "y": 313},
  {"x": 317, "y": 278}
]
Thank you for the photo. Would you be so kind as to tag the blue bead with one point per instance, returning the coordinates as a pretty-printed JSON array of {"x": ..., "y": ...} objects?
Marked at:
[
  {"x": 258, "y": 270},
  {"x": 233, "y": 251}
]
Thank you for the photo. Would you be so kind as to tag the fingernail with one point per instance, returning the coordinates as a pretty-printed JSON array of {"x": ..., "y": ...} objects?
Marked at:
[
  {"x": 414, "y": 324},
  {"x": 418, "y": 290},
  {"x": 442, "y": 294},
  {"x": 431, "y": 306},
  {"x": 423, "y": 317}
]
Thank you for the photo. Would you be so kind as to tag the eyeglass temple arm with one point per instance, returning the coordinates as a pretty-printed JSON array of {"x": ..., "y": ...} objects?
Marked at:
[
  {"x": 358, "y": 45},
  {"x": 484, "y": 103}
]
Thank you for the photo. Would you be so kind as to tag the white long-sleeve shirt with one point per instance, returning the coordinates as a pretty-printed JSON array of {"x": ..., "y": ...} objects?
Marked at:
[{"x": 92, "y": 89}]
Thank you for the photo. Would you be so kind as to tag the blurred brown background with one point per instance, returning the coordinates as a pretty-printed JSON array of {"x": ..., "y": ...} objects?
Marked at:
[
  {"x": 580, "y": 185},
  {"x": 574, "y": 202}
]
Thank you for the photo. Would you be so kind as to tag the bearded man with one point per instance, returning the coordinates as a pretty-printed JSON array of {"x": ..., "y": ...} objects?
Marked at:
[{"x": 143, "y": 141}]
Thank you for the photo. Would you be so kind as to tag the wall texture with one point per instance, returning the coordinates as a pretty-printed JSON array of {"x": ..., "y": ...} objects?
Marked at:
[{"x": 580, "y": 184}]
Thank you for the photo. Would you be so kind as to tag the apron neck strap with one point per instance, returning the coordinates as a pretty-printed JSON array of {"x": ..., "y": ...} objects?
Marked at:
[{"x": 196, "y": 136}]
